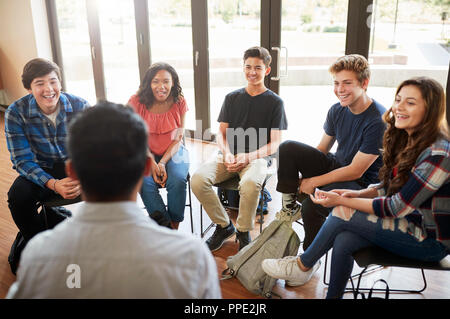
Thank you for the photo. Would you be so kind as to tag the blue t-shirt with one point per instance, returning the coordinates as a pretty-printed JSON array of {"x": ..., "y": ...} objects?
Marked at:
[{"x": 357, "y": 132}]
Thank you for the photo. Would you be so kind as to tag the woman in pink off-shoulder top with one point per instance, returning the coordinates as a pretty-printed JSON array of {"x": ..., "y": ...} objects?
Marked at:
[{"x": 160, "y": 103}]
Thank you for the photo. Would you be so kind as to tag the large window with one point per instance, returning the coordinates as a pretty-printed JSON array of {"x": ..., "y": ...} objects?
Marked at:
[
  {"x": 76, "y": 63},
  {"x": 106, "y": 49},
  {"x": 409, "y": 38},
  {"x": 234, "y": 26},
  {"x": 118, "y": 40},
  {"x": 313, "y": 35},
  {"x": 171, "y": 42}
]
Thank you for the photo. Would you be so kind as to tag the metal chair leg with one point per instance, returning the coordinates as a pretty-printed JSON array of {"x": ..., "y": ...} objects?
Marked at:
[
  {"x": 364, "y": 272},
  {"x": 190, "y": 205},
  {"x": 260, "y": 211},
  {"x": 203, "y": 232},
  {"x": 358, "y": 288}
]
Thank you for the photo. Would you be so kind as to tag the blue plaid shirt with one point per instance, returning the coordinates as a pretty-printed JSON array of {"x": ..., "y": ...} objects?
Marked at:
[{"x": 33, "y": 140}]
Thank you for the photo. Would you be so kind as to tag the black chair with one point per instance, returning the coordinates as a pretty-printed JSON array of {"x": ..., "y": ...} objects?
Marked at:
[
  {"x": 375, "y": 258},
  {"x": 189, "y": 192},
  {"x": 368, "y": 270},
  {"x": 378, "y": 256},
  {"x": 20, "y": 243},
  {"x": 233, "y": 184},
  {"x": 55, "y": 201},
  {"x": 190, "y": 202}
]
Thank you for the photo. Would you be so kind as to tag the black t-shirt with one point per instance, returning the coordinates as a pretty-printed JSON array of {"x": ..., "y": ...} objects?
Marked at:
[{"x": 250, "y": 119}]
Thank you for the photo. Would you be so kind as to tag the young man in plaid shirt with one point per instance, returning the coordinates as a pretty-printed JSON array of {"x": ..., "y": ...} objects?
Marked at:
[{"x": 35, "y": 130}]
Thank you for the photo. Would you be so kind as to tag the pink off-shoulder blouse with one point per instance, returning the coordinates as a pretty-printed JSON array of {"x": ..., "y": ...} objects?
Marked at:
[{"x": 162, "y": 127}]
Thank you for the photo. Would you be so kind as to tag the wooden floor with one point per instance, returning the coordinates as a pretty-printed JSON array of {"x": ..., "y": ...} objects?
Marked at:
[{"x": 438, "y": 282}]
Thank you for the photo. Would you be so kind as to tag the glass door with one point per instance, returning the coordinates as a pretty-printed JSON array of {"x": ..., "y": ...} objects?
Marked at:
[
  {"x": 171, "y": 42},
  {"x": 233, "y": 27},
  {"x": 118, "y": 37},
  {"x": 409, "y": 38},
  {"x": 76, "y": 50},
  {"x": 313, "y": 35}
]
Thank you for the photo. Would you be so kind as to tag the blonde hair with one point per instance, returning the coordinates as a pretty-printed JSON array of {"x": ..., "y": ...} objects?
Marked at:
[{"x": 352, "y": 62}]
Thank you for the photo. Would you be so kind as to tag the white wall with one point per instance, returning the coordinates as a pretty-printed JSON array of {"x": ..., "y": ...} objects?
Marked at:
[{"x": 24, "y": 35}]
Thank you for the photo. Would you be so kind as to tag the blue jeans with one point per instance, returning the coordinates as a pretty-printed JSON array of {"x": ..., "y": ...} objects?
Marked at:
[
  {"x": 177, "y": 169},
  {"x": 346, "y": 237}
]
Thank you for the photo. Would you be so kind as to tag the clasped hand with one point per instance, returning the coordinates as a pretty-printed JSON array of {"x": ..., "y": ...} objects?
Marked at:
[
  {"x": 68, "y": 188},
  {"x": 235, "y": 163},
  {"x": 159, "y": 174}
]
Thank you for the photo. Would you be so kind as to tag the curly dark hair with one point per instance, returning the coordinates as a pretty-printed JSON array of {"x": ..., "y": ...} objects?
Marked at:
[
  {"x": 402, "y": 150},
  {"x": 145, "y": 92}
]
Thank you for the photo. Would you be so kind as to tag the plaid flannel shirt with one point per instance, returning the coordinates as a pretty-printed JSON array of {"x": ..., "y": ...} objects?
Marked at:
[
  {"x": 33, "y": 140},
  {"x": 424, "y": 201}
]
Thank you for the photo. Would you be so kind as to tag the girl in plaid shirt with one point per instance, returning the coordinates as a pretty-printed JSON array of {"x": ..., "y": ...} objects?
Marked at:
[{"x": 408, "y": 213}]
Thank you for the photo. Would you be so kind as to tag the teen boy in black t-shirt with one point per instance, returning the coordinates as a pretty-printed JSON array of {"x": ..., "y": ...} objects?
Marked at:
[{"x": 251, "y": 121}]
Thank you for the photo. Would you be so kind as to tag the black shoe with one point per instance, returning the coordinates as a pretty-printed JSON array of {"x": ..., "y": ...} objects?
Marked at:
[
  {"x": 16, "y": 251},
  {"x": 243, "y": 238},
  {"x": 220, "y": 235},
  {"x": 161, "y": 219}
]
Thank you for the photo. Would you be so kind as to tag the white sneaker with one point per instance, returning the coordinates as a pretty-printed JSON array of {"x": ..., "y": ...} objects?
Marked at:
[{"x": 288, "y": 270}]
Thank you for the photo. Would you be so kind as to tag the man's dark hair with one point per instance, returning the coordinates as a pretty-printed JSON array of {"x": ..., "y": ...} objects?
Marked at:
[
  {"x": 107, "y": 145},
  {"x": 36, "y": 68},
  {"x": 259, "y": 52}
]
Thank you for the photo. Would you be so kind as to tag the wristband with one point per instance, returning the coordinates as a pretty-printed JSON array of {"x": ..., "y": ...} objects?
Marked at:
[
  {"x": 163, "y": 164},
  {"x": 54, "y": 186}
]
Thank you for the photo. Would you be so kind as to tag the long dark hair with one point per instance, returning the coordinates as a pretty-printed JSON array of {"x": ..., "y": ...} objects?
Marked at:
[
  {"x": 401, "y": 149},
  {"x": 145, "y": 92}
]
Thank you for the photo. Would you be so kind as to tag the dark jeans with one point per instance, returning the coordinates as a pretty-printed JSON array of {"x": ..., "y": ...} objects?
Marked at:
[
  {"x": 23, "y": 197},
  {"x": 295, "y": 158}
]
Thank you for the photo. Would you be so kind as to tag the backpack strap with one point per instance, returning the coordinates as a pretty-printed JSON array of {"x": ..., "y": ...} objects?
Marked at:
[{"x": 227, "y": 274}]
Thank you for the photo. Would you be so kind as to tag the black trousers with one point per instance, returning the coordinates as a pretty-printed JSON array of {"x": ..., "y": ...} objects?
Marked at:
[
  {"x": 295, "y": 158},
  {"x": 23, "y": 197}
]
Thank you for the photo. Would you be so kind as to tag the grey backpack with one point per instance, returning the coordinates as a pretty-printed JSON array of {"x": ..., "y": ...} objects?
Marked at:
[{"x": 277, "y": 240}]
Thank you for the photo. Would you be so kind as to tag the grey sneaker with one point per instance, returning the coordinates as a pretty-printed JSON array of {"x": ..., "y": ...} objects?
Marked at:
[
  {"x": 290, "y": 214},
  {"x": 219, "y": 236},
  {"x": 287, "y": 269}
]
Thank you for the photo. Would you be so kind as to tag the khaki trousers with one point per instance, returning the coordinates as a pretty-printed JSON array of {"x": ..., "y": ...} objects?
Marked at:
[{"x": 251, "y": 180}]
